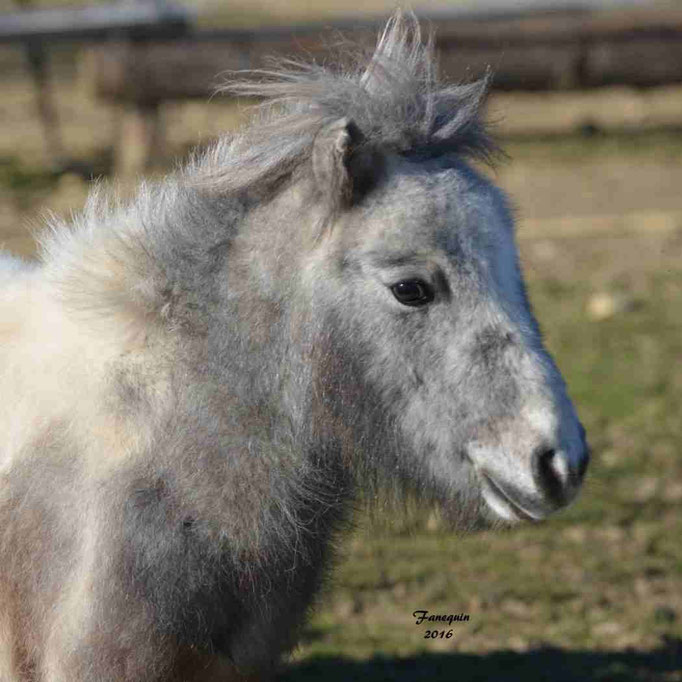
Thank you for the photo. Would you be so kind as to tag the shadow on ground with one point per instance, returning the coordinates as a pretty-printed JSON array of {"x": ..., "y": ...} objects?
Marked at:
[{"x": 539, "y": 665}]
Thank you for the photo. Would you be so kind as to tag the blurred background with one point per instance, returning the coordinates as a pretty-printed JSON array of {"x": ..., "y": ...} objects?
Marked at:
[{"x": 587, "y": 103}]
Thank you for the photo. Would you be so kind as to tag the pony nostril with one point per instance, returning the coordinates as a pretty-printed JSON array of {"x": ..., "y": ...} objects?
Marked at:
[{"x": 550, "y": 475}]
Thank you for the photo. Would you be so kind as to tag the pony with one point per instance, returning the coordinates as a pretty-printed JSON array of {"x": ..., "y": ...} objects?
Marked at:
[{"x": 199, "y": 383}]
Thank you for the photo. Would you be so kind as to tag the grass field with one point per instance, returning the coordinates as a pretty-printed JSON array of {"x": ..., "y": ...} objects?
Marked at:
[{"x": 595, "y": 594}]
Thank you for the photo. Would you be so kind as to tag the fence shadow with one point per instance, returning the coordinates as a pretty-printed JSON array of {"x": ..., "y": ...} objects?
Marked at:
[{"x": 545, "y": 664}]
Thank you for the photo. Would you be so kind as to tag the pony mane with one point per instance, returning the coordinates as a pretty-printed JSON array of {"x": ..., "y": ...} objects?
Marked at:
[
  {"x": 139, "y": 257},
  {"x": 395, "y": 99}
]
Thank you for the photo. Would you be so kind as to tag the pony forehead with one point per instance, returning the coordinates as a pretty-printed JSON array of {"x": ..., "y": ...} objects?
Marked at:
[
  {"x": 427, "y": 215},
  {"x": 439, "y": 192}
]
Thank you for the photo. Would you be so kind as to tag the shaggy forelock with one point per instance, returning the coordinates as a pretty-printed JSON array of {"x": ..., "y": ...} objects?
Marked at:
[{"x": 395, "y": 99}]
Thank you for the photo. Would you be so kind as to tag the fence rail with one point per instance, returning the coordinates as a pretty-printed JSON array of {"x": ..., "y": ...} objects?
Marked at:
[
  {"x": 558, "y": 50},
  {"x": 144, "y": 20}
]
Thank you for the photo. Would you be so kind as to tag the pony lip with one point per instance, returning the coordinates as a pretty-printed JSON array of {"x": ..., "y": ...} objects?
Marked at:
[{"x": 502, "y": 499}]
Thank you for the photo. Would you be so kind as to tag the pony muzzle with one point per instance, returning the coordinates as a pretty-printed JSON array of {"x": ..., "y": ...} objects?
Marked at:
[{"x": 554, "y": 481}]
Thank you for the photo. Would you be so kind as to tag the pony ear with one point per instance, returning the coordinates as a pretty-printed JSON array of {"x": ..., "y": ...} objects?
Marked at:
[{"x": 343, "y": 168}]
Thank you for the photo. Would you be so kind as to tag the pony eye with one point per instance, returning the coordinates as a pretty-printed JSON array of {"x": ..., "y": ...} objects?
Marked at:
[{"x": 412, "y": 292}]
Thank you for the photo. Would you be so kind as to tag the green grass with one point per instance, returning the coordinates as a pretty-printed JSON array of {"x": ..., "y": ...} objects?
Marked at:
[
  {"x": 664, "y": 144},
  {"x": 21, "y": 180}
]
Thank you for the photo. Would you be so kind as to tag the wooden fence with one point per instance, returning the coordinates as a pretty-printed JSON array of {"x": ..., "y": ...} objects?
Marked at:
[
  {"x": 159, "y": 57},
  {"x": 541, "y": 51}
]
